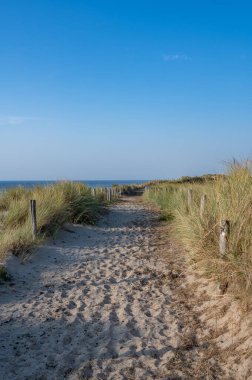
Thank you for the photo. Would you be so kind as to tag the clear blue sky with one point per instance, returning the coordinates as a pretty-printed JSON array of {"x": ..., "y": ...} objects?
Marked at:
[{"x": 123, "y": 89}]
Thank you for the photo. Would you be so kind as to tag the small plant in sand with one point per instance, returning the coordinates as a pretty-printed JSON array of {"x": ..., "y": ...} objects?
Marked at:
[{"x": 4, "y": 275}]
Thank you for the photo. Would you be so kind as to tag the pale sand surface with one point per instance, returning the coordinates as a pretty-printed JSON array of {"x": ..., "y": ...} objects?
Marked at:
[{"x": 100, "y": 303}]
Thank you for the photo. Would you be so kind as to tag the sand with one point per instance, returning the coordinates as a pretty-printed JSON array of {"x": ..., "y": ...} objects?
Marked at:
[{"x": 101, "y": 302}]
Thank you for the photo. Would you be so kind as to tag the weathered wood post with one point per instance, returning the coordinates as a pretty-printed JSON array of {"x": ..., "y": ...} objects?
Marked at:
[
  {"x": 224, "y": 235},
  {"x": 33, "y": 218},
  {"x": 108, "y": 194},
  {"x": 189, "y": 199},
  {"x": 202, "y": 204},
  {"x": 93, "y": 191}
]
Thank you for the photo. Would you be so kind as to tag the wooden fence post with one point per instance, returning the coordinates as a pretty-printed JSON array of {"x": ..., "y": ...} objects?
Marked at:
[
  {"x": 108, "y": 194},
  {"x": 33, "y": 218},
  {"x": 224, "y": 234},
  {"x": 202, "y": 204}
]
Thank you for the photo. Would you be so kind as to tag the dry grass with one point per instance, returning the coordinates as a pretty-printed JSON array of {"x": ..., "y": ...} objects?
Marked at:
[
  {"x": 228, "y": 198},
  {"x": 56, "y": 204}
]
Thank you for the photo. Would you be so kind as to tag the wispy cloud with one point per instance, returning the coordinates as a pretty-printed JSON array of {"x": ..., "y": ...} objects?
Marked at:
[
  {"x": 176, "y": 57},
  {"x": 15, "y": 120}
]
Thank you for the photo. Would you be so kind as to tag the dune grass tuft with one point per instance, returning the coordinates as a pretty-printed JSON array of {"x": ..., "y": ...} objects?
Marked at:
[
  {"x": 227, "y": 198},
  {"x": 56, "y": 204},
  {"x": 4, "y": 275}
]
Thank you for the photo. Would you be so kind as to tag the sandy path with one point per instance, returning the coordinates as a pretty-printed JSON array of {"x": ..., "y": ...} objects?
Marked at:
[{"x": 96, "y": 303}]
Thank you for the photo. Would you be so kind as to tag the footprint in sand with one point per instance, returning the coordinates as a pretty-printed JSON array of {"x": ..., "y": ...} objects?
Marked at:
[{"x": 108, "y": 314}]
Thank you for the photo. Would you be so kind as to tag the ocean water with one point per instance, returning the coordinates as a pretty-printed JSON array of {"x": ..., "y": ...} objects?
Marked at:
[{"x": 103, "y": 183}]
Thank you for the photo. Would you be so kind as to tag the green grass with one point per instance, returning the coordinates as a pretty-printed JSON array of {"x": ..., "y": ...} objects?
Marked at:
[
  {"x": 4, "y": 275},
  {"x": 56, "y": 204},
  {"x": 228, "y": 198},
  {"x": 130, "y": 190}
]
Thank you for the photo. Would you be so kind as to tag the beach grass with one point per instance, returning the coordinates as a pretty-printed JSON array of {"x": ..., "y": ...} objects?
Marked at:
[
  {"x": 56, "y": 204},
  {"x": 227, "y": 198}
]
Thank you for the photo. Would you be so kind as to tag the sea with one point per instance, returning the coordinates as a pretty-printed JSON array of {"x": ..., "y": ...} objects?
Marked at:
[{"x": 90, "y": 183}]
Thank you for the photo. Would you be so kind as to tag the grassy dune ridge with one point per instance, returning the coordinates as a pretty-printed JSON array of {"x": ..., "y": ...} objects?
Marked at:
[
  {"x": 227, "y": 198},
  {"x": 56, "y": 204}
]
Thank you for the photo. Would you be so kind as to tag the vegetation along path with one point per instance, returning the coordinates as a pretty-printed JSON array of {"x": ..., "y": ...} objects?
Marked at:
[{"x": 103, "y": 302}]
